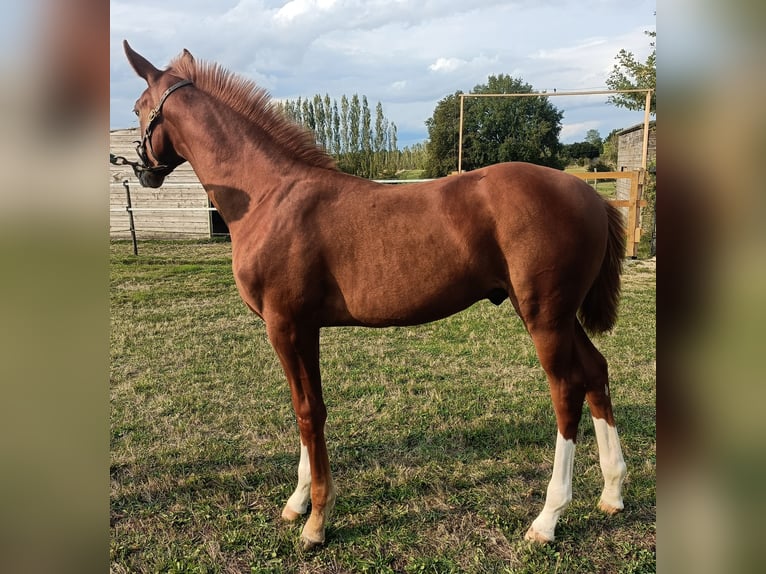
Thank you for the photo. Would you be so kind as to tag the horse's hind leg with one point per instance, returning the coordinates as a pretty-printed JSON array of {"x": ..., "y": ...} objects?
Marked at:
[
  {"x": 576, "y": 370},
  {"x": 556, "y": 351},
  {"x": 597, "y": 394}
]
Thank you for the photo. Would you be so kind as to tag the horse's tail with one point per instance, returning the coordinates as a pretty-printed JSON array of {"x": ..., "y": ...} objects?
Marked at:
[{"x": 598, "y": 312}]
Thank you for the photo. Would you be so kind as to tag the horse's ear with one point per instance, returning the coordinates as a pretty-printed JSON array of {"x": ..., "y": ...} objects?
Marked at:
[
  {"x": 187, "y": 55},
  {"x": 141, "y": 65}
]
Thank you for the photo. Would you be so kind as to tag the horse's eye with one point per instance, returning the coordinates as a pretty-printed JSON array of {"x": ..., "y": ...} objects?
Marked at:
[{"x": 135, "y": 111}]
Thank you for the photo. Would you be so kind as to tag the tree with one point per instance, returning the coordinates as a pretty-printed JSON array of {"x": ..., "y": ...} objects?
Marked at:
[
  {"x": 320, "y": 121},
  {"x": 345, "y": 129},
  {"x": 337, "y": 134},
  {"x": 581, "y": 153},
  {"x": 594, "y": 138},
  {"x": 329, "y": 125},
  {"x": 381, "y": 129},
  {"x": 366, "y": 129},
  {"x": 494, "y": 129},
  {"x": 443, "y": 136},
  {"x": 609, "y": 149},
  {"x": 355, "y": 114},
  {"x": 630, "y": 74},
  {"x": 380, "y": 135},
  {"x": 308, "y": 114}
]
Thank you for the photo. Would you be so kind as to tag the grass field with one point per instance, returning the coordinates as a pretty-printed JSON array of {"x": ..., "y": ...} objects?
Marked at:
[{"x": 441, "y": 437}]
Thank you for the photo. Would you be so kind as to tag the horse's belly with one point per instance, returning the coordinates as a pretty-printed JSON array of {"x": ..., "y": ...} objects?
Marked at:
[{"x": 409, "y": 303}]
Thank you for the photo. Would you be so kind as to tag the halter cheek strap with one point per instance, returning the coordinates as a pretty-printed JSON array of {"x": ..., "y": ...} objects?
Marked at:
[
  {"x": 154, "y": 114},
  {"x": 143, "y": 165}
]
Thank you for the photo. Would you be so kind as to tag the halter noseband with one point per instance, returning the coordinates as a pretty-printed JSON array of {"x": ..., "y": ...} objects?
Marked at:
[{"x": 154, "y": 114}]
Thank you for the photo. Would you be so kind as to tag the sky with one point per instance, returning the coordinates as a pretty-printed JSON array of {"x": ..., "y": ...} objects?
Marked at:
[{"x": 406, "y": 54}]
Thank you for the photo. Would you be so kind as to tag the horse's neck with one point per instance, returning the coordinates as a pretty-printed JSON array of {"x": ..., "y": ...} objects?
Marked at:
[{"x": 232, "y": 160}]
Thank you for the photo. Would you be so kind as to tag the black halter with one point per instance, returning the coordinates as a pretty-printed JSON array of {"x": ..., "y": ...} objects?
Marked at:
[{"x": 144, "y": 164}]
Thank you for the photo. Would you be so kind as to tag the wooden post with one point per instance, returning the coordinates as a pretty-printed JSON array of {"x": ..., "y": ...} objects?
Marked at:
[
  {"x": 634, "y": 213},
  {"x": 645, "y": 149},
  {"x": 635, "y": 209},
  {"x": 130, "y": 217},
  {"x": 633, "y": 204}
]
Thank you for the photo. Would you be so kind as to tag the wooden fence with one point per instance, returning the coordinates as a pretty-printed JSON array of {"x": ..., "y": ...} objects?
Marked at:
[{"x": 178, "y": 209}]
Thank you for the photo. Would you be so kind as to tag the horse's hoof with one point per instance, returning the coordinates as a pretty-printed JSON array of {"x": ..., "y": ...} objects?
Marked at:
[
  {"x": 536, "y": 536},
  {"x": 309, "y": 543},
  {"x": 313, "y": 533},
  {"x": 289, "y": 514},
  {"x": 610, "y": 508}
]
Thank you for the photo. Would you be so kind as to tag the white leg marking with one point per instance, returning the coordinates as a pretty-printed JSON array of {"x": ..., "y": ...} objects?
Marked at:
[
  {"x": 559, "y": 492},
  {"x": 612, "y": 466},
  {"x": 299, "y": 500}
]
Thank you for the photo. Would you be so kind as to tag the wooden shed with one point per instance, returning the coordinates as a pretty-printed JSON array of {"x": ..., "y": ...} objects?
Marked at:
[
  {"x": 179, "y": 209},
  {"x": 630, "y": 143},
  {"x": 630, "y": 147}
]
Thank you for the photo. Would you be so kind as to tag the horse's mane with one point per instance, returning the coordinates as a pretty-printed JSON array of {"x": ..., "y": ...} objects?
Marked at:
[{"x": 254, "y": 103}]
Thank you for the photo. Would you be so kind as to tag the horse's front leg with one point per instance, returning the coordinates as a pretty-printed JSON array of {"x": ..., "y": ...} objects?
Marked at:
[
  {"x": 298, "y": 351},
  {"x": 298, "y": 503}
]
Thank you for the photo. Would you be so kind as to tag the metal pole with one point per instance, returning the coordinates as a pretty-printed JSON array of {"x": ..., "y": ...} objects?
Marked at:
[{"x": 130, "y": 217}]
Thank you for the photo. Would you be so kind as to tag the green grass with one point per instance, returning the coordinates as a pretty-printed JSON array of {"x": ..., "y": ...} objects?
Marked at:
[
  {"x": 605, "y": 187},
  {"x": 411, "y": 174},
  {"x": 441, "y": 436}
]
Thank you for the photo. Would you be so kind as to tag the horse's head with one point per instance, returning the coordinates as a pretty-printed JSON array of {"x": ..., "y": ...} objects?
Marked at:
[{"x": 157, "y": 155}]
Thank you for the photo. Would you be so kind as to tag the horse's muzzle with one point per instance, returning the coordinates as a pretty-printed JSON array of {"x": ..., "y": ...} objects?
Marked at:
[{"x": 153, "y": 179}]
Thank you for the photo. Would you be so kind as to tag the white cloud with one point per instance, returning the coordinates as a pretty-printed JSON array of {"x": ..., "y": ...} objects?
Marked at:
[
  {"x": 579, "y": 50},
  {"x": 298, "y": 8},
  {"x": 576, "y": 131},
  {"x": 408, "y": 54},
  {"x": 446, "y": 64}
]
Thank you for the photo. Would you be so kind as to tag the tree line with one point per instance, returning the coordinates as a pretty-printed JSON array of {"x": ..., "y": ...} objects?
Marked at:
[
  {"x": 362, "y": 145},
  {"x": 494, "y": 130},
  {"x": 593, "y": 152}
]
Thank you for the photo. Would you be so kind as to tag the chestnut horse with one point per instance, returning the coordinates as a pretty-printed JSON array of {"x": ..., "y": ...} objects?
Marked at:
[{"x": 314, "y": 247}]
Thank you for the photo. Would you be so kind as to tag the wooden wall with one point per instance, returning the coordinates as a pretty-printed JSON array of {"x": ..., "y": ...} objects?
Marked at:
[
  {"x": 181, "y": 189},
  {"x": 630, "y": 143}
]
